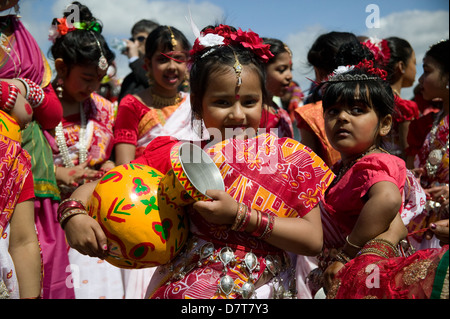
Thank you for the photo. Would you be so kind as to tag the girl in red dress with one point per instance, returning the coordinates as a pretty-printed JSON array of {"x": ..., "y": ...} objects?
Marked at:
[{"x": 360, "y": 213}]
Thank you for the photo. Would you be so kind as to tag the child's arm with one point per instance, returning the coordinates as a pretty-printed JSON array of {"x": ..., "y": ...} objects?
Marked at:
[
  {"x": 378, "y": 218},
  {"x": 83, "y": 233},
  {"x": 298, "y": 235},
  {"x": 383, "y": 204},
  {"x": 24, "y": 250}
]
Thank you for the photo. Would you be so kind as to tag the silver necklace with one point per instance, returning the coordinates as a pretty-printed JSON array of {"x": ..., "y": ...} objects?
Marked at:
[{"x": 82, "y": 142}]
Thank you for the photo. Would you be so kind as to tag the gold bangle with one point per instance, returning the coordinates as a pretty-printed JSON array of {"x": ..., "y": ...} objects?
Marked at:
[
  {"x": 70, "y": 213},
  {"x": 352, "y": 245}
]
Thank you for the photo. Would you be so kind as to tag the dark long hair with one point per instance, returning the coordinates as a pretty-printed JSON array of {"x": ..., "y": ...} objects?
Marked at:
[
  {"x": 162, "y": 34},
  {"x": 79, "y": 47}
]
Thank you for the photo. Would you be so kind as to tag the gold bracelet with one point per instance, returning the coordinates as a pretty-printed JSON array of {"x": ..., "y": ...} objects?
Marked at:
[
  {"x": 70, "y": 213},
  {"x": 352, "y": 245}
]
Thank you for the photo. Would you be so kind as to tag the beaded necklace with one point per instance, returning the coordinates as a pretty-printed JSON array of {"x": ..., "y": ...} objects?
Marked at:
[{"x": 62, "y": 144}]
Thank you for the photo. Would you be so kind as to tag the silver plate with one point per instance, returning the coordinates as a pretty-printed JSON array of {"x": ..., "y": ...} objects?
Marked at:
[{"x": 200, "y": 169}]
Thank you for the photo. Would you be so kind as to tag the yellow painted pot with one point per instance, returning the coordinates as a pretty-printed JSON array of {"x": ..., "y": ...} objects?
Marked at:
[
  {"x": 141, "y": 210},
  {"x": 9, "y": 127},
  {"x": 143, "y": 227}
]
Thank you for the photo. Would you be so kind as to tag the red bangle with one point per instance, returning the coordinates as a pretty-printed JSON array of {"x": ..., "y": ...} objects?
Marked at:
[
  {"x": 269, "y": 228},
  {"x": 245, "y": 222},
  {"x": 9, "y": 100},
  {"x": 67, "y": 204}
]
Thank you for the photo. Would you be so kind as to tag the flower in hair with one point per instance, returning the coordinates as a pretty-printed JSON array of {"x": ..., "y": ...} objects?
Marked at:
[
  {"x": 210, "y": 40},
  {"x": 223, "y": 35},
  {"x": 367, "y": 66},
  {"x": 380, "y": 50},
  {"x": 62, "y": 27},
  {"x": 252, "y": 41}
]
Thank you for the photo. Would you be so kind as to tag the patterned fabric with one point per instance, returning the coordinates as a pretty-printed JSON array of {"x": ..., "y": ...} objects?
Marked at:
[
  {"x": 434, "y": 141},
  {"x": 100, "y": 121},
  {"x": 344, "y": 206},
  {"x": 440, "y": 141},
  {"x": 280, "y": 120},
  {"x": 310, "y": 117},
  {"x": 279, "y": 176},
  {"x": 14, "y": 167},
  {"x": 138, "y": 124},
  {"x": 374, "y": 277}
]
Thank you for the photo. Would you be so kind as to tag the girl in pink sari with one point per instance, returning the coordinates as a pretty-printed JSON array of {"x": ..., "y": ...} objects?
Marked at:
[{"x": 82, "y": 141}]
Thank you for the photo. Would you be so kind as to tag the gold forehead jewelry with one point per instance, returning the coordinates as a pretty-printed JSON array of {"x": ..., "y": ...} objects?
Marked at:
[
  {"x": 173, "y": 41},
  {"x": 238, "y": 69},
  {"x": 102, "y": 62}
]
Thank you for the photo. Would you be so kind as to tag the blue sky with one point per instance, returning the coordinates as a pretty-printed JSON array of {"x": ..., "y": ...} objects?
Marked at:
[{"x": 297, "y": 22}]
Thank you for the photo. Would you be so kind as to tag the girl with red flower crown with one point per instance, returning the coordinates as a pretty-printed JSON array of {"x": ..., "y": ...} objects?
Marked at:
[
  {"x": 362, "y": 210},
  {"x": 244, "y": 242}
]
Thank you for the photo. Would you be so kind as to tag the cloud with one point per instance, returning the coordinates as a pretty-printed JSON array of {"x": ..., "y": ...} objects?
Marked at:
[
  {"x": 171, "y": 13},
  {"x": 118, "y": 19},
  {"x": 420, "y": 28}
]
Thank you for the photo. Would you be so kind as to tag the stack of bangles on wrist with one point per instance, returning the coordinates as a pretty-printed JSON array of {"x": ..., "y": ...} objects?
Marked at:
[
  {"x": 35, "y": 95},
  {"x": 8, "y": 96},
  {"x": 264, "y": 223},
  {"x": 68, "y": 208}
]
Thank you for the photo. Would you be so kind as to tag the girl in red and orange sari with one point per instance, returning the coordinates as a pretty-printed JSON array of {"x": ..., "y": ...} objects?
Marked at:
[
  {"x": 162, "y": 109},
  {"x": 20, "y": 259},
  {"x": 243, "y": 243},
  {"x": 361, "y": 213}
]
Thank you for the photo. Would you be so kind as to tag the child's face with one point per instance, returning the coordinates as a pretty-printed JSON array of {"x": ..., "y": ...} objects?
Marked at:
[
  {"x": 352, "y": 129},
  {"x": 410, "y": 72},
  {"x": 432, "y": 83},
  {"x": 81, "y": 81},
  {"x": 167, "y": 73},
  {"x": 279, "y": 74},
  {"x": 226, "y": 107}
]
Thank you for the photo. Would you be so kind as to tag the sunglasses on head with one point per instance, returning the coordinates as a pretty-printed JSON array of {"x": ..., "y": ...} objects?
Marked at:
[{"x": 140, "y": 38}]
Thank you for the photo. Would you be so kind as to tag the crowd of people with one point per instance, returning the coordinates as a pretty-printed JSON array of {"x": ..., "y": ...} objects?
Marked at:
[{"x": 352, "y": 137}]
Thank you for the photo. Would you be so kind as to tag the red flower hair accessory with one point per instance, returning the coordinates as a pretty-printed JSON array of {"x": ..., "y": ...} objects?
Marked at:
[
  {"x": 341, "y": 74},
  {"x": 223, "y": 35},
  {"x": 367, "y": 66},
  {"x": 380, "y": 50}
]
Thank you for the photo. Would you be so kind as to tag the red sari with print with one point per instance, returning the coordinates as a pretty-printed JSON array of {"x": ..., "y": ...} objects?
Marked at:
[{"x": 278, "y": 176}]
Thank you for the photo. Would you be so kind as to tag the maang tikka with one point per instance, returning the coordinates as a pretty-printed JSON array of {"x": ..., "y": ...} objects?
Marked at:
[
  {"x": 102, "y": 62},
  {"x": 238, "y": 69}
]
